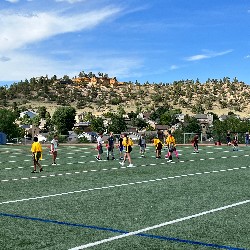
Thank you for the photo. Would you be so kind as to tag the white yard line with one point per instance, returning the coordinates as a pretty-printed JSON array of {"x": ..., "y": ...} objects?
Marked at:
[
  {"x": 86, "y": 171},
  {"x": 115, "y": 185},
  {"x": 92, "y": 244}
]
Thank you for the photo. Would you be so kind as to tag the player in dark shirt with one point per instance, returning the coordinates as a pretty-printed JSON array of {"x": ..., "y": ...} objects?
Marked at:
[
  {"x": 120, "y": 146},
  {"x": 110, "y": 146}
]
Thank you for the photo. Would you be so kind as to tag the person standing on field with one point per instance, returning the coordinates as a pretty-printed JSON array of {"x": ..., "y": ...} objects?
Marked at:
[
  {"x": 99, "y": 146},
  {"x": 158, "y": 147},
  {"x": 36, "y": 149},
  {"x": 142, "y": 144},
  {"x": 127, "y": 143},
  {"x": 120, "y": 146},
  {"x": 235, "y": 142},
  {"x": 53, "y": 149},
  {"x": 171, "y": 146},
  {"x": 110, "y": 146},
  {"x": 195, "y": 142},
  {"x": 247, "y": 138},
  {"x": 228, "y": 138}
]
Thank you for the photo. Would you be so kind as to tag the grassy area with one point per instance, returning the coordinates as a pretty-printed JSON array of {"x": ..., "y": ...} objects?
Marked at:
[{"x": 82, "y": 200}]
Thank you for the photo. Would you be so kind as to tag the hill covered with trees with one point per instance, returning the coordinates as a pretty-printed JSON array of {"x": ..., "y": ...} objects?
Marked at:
[{"x": 101, "y": 94}]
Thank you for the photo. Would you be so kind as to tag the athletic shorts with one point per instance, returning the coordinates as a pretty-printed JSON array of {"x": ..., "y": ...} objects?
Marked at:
[
  {"x": 171, "y": 149},
  {"x": 128, "y": 149},
  {"x": 37, "y": 156}
]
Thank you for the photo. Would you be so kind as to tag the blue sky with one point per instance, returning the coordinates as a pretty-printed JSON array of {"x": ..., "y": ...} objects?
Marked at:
[{"x": 143, "y": 40}]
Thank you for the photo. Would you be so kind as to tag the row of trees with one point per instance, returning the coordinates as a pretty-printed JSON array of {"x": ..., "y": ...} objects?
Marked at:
[{"x": 63, "y": 120}]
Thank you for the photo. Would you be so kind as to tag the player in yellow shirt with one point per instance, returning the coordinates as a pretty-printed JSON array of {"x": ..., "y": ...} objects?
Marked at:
[
  {"x": 158, "y": 147},
  {"x": 127, "y": 143},
  {"x": 36, "y": 149},
  {"x": 171, "y": 145}
]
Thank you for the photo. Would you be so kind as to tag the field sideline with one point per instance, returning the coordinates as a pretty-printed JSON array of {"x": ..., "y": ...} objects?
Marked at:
[{"x": 200, "y": 201}]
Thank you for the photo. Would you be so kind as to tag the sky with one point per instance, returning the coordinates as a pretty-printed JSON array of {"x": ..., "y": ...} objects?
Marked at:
[{"x": 132, "y": 40}]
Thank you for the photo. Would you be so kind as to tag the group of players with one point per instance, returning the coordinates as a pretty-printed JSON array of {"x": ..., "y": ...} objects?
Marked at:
[{"x": 125, "y": 144}]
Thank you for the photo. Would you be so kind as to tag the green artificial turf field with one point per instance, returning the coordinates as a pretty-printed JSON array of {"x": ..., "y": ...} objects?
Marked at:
[{"x": 201, "y": 201}]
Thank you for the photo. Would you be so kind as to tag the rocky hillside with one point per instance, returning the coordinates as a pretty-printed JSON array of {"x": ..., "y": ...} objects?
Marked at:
[{"x": 98, "y": 96}]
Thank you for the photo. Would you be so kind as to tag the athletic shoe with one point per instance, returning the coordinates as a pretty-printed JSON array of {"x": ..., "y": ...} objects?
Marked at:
[
  {"x": 41, "y": 169},
  {"x": 122, "y": 163},
  {"x": 97, "y": 158},
  {"x": 169, "y": 160},
  {"x": 113, "y": 158},
  {"x": 53, "y": 164},
  {"x": 33, "y": 171},
  {"x": 130, "y": 165},
  {"x": 107, "y": 158}
]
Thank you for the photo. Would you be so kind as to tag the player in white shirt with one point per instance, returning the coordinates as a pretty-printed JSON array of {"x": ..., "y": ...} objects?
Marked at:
[
  {"x": 53, "y": 149},
  {"x": 99, "y": 146}
]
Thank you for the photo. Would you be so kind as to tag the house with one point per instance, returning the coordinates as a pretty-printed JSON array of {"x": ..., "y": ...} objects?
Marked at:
[
  {"x": 131, "y": 129},
  {"x": 206, "y": 121},
  {"x": 83, "y": 126},
  {"x": 204, "y": 118},
  {"x": 144, "y": 116},
  {"x": 180, "y": 117},
  {"x": 161, "y": 127},
  {"x": 30, "y": 130},
  {"x": 29, "y": 113}
]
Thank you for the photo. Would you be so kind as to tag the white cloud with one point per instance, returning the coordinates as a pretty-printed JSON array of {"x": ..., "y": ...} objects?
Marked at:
[
  {"x": 20, "y": 30},
  {"x": 17, "y": 30},
  {"x": 247, "y": 57},
  {"x": 197, "y": 57},
  {"x": 18, "y": 66},
  {"x": 12, "y": 1},
  {"x": 173, "y": 67},
  {"x": 207, "y": 54},
  {"x": 22, "y": 65}
]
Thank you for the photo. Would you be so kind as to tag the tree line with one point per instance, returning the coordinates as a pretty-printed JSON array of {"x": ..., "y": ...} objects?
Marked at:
[{"x": 63, "y": 120}]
